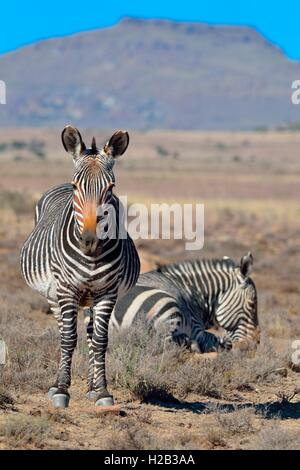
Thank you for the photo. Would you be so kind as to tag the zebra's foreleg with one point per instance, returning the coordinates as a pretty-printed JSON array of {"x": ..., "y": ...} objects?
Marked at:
[
  {"x": 68, "y": 308},
  {"x": 173, "y": 328},
  {"x": 102, "y": 311},
  {"x": 181, "y": 339},
  {"x": 89, "y": 334},
  {"x": 204, "y": 342},
  {"x": 55, "y": 309}
]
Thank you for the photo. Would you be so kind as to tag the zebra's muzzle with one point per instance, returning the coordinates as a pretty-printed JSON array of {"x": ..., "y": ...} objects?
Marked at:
[{"x": 89, "y": 243}]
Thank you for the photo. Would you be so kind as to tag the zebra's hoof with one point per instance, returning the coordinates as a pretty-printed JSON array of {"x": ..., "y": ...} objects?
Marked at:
[
  {"x": 194, "y": 346},
  {"x": 60, "y": 400},
  {"x": 105, "y": 401},
  {"x": 51, "y": 392},
  {"x": 92, "y": 395}
]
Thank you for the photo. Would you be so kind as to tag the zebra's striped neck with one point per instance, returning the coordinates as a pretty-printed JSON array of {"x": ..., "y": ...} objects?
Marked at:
[{"x": 202, "y": 282}]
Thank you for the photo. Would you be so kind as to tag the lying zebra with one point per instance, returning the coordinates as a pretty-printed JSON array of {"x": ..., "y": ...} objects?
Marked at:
[{"x": 190, "y": 297}]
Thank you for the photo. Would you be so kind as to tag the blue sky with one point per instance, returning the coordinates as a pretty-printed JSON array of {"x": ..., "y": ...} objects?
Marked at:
[{"x": 30, "y": 21}]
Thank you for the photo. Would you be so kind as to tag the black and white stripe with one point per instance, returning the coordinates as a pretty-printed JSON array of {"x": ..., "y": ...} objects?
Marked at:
[
  {"x": 65, "y": 261},
  {"x": 190, "y": 297}
]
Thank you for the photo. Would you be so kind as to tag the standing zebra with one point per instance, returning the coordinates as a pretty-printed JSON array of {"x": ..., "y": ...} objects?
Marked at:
[
  {"x": 64, "y": 260},
  {"x": 189, "y": 297}
]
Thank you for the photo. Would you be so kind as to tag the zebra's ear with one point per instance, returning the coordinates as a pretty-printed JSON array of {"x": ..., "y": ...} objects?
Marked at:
[
  {"x": 117, "y": 144},
  {"x": 246, "y": 264},
  {"x": 72, "y": 141}
]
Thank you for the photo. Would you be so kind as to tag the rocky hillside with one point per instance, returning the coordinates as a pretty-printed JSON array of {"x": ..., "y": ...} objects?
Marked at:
[{"x": 151, "y": 74}]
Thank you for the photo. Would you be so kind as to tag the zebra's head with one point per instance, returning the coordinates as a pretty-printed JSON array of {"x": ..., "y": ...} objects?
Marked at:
[
  {"x": 237, "y": 306},
  {"x": 93, "y": 181}
]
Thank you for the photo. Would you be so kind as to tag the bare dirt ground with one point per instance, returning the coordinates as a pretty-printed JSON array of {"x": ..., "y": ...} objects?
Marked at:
[{"x": 249, "y": 184}]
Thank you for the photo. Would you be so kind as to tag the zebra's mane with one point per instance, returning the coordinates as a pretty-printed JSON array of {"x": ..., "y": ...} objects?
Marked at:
[{"x": 223, "y": 264}]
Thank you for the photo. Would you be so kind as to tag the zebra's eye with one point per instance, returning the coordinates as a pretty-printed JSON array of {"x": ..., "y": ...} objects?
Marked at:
[{"x": 109, "y": 193}]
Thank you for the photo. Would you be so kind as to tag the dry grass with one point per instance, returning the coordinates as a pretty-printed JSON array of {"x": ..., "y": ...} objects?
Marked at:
[
  {"x": 33, "y": 355},
  {"x": 215, "y": 437},
  {"x": 136, "y": 437},
  {"x": 240, "y": 421},
  {"x": 133, "y": 437},
  {"x": 140, "y": 363},
  {"x": 143, "y": 369},
  {"x": 152, "y": 370},
  {"x": 6, "y": 400},
  {"x": 228, "y": 372},
  {"x": 273, "y": 436},
  {"x": 281, "y": 324},
  {"x": 25, "y": 430},
  {"x": 17, "y": 202}
]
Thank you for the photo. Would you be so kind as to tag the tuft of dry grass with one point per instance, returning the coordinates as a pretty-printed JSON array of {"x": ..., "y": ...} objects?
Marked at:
[
  {"x": 58, "y": 416},
  {"x": 33, "y": 357},
  {"x": 227, "y": 372},
  {"x": 133, "y": 437},
  {"x": 273, "y": 436},
  {"x": 25, "y": 430},
  {"x": 240, "y": 421},
  {"x": 6, "y": 400},
  {"x": 215, "y": 436},
  {"x": 136, "y": 437},
  {"x": 140, "y": 362},
  {"x": 228, "y": 424}
]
